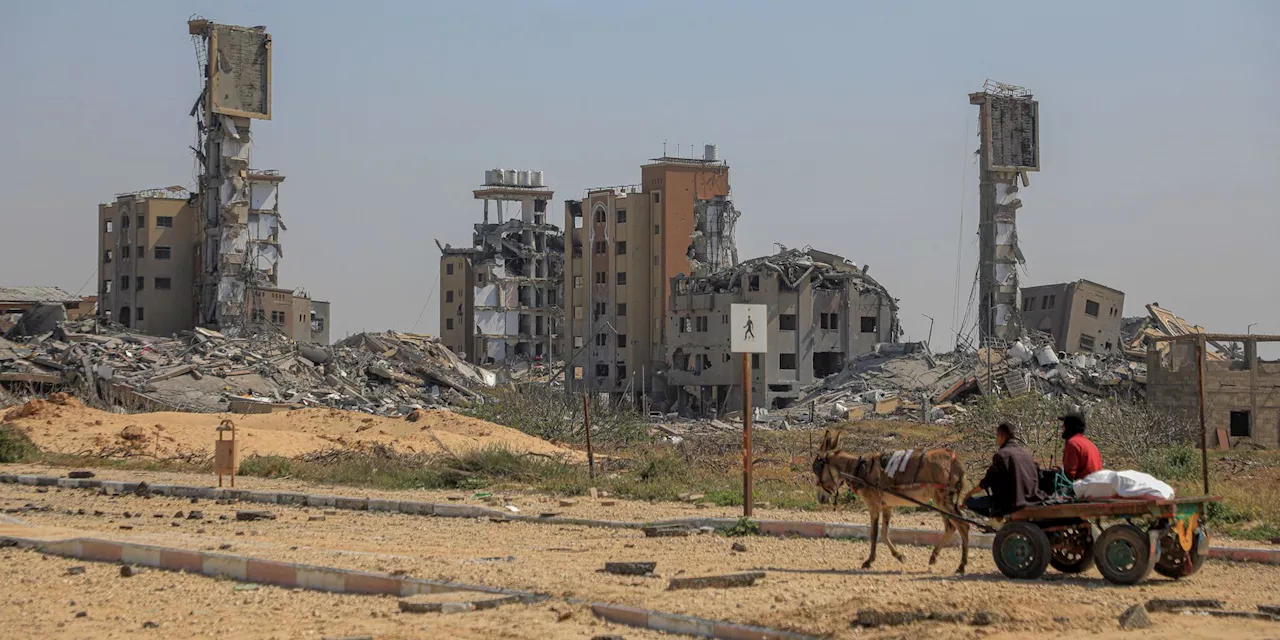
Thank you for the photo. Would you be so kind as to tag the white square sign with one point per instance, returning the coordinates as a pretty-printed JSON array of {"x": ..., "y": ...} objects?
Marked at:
[{"x": 749, "y": 328}]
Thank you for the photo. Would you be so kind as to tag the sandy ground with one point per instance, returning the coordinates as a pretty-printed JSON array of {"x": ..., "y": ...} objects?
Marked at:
[
  {"x": 534, "y": 503},
  {"x": 811, "y": 585},
  {"x": 41, "y": 600},
  {"x": 74, "y": 428}
]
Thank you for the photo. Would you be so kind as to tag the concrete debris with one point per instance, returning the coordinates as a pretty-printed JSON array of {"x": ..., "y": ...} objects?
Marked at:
[
  {"x": 746, "y": 579},
  {"x": 203, "y": 371}
]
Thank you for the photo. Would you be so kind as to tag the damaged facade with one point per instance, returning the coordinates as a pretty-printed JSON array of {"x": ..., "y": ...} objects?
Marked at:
[
  {"x": 1082, "y": 316},
  {"x": 500, "y": 299},
  {"x": 147, "y": 243},
  {"x": 823, "y": 312},
  {"x": 624, "y": 246}
]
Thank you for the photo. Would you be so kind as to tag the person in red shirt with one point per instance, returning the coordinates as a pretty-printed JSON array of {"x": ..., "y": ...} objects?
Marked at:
[{"x": 1080, "y": 456}]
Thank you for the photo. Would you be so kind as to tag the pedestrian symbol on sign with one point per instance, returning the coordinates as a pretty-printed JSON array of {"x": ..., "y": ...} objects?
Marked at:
[{"x": 750, "y": 334}]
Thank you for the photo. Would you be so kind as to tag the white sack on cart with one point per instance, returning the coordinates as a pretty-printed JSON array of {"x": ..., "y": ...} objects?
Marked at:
[{"x": 1122, "y": 484}]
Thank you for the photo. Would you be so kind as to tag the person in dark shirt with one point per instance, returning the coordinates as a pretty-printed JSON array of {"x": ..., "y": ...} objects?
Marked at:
[
  {"x": 1080, "y": 456},
  {"x": 1012, "y": 480}
]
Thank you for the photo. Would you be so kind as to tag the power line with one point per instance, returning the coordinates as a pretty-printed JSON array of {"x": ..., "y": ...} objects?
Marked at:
[
  {"x": 964, "y": 181},
  {"x": 86, "y": 282},
  {"x": 434, "y": 284}
]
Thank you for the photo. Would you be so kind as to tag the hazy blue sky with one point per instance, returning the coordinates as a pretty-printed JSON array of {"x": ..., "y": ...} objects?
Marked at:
[{"x": 846, "y": 125}]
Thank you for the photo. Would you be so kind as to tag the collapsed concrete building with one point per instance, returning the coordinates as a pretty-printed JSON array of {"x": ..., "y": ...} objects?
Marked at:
[
  {"x": 1082, "y": 316},
  {"x": 824, "y": 311},
  {"x": 624, "y": 245},
  {"x": 500, "y": 300}
]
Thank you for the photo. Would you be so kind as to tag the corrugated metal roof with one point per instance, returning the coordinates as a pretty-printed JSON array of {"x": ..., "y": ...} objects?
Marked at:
[{"x": 36, "y": 294}]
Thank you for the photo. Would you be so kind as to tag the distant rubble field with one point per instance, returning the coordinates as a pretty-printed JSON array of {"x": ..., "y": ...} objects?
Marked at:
[{"x": 63, "y": 425}]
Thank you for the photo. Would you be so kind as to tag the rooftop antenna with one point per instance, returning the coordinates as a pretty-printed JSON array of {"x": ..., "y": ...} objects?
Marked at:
[{"x": 664, "y": 147}]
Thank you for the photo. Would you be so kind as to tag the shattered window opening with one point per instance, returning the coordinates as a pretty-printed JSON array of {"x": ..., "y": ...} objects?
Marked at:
[
  {"x": 622, "y": 370},
  {"x": 162, "y": 253},
  {"x": 702, "y": 324},
  {"x": 755, "y": 360},
  {"x": 448, "y": 269},
  {"x": 787, "y": 361},
  {"x": 124, "y": 251},
  {"x": 110, "y": 226},
  {"x": 1086, "y": 342},
  {"x": 106, "y": 286},
  {"x": 869, "y": 324},
  {"x": 165, "y": 222},
  {"x": 163, "y": 284},
  {"x": 622, "y": 309},
  {"x": 1047, "y": 302},
  {"x": 602, "y": 248},
  {"x": 602, "y": 370},
  {"x": 106, "y": 256},
  {"x": 1091, "y": 308},
  {"x": 577, "y": 282},
  {"x": 124, "y": 283},
  {"x": 448, "y": 324},
  {"x": 622, "y": 277},
  {"x": 1028, "y": 303},
  {"x": 577, "y": 342},
  {"x": 139, "y": 314},
  {"x": 753, "y": 283},
  {"x": 601, "y": 278},
  {"x": 657, "y": 197},
  {"x": 787, "y": 321},
  {"x": 622, "y": 340},
  {"x": 621, "y": 247},
  {"x": 600, "y": 216},
  {"x": 1241, "y": 424},
  {"x": 657, "y": 229},
  {"x": 142, "y": 224},
  {"x": 448, "y": 296},
  {"x": 138, "y": 286},
  {"x": 621, "y": 216},
  {"x": 686, "y": 325}
]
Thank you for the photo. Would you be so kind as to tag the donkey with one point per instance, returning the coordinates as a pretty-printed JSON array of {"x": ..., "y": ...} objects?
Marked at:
[{"x": 939, "y": 477}]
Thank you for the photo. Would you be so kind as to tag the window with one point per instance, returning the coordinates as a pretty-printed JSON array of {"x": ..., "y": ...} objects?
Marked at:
[
  {"x": 622, "y": 216},
  {"x": 602, "y": 370},
  {"x": 622, "y": 340},
  {"x": 686, "y": 325},
  {"x": 106, "y": 256},
  {"x": 124, "y": 283},
  {"x": 138, "y": 314},
  {"x": 1028, "y": 303},
  {"x": 657, "y": 197},
  {"x": 317, "y": 324},
  {"x": 833, "y": 320},
  {"x": 142, "y": 224},
  {"x": 701, "y": 324},
  {"x": 1047, "y": 302},
  {"x": 111, "y": 226},
  {"x": 1091, "y": 308},
  {"x": 162, "y": 253},
  {"x": 577, "y": 312},
  {"x": 448, "y": 324},
  {"x": 277, "y": 317},
  {"x": 601, "y": 278},
  {"x": 601, "y": 248},
  {"x": 622, "y": 370},
  {"x": 142, "y": 251},
  {"x": 164, "y": 221},
  {"x": 577, "y": 282},
  {"x": 753, "y": 283},
  {"x": 755, "y": 360},
  {"x": 448, "y": 269},
  {"x": 124, "y": 251},
  {"x": 448, "y": 296},
  {"x": 787, "y": 361},
  {"x": 600, "y": 308},
  {"x": 868, "y": 324},
  {"x": 787, "y": 321},
  {"x": 106, "y": 286},
  {"x": 163, "y": 284},
  {"x": 124, "y": 222},
  {"x": 480, "y": 278},
  {"x": 600, "y": 215},
  {"x": 1107, "y": 347},
  {"x": 1241, "y": 424},
  {"x": 657, "y": 228},
  {"x": 1086, "y": 342},
  {"x": 139, "y": 283},
  {"x": 602, "y": 340},
  {"x": 622, "y": 277},
  {"x": 622, "y": 308},
  {"x": 621, "y": 248},
  {"x": 577, "y": 342},
  {"x": 258, "y": 315}
]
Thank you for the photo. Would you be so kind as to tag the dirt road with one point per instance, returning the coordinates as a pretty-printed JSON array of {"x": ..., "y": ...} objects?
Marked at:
[{"x": 811, "y": 586}]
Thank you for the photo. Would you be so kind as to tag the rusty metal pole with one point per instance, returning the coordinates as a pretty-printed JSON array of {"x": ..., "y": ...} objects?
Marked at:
[
  {"x": 1204, "y": 430},
  {"x": 746, "y": 435},
  {"x": 586, "y": 424}
]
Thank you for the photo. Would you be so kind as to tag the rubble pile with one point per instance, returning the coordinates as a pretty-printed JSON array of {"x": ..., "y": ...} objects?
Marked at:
[{"x": 386, "y": 373}]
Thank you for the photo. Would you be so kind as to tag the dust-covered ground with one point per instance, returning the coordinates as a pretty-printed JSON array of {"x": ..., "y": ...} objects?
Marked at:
[{"x": 812, "y": 586}]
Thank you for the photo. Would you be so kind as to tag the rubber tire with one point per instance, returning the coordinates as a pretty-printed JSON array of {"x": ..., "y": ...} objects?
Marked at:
[
  {"x": 1079, "y": 566},
  {"x": 1141, "y": 545},
  {"x": 1040, "y": 550},
  {"x": 1174, "y": 570}
]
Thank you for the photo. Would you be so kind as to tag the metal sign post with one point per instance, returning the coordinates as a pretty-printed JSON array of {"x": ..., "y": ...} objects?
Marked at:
[{"x": 750, "y": 328}]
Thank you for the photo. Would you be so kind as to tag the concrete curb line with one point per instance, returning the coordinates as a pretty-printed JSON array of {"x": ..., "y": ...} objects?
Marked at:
[
  {"x": 689, "y": 625},
  {"x": 248, "y": 569},
  {"x": 801, "y": 529}
]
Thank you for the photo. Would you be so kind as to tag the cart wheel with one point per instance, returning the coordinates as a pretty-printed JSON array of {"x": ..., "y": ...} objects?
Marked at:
[
  {"x": 1123, "y": 554},
  {"x": 1173, "y": 561},
  {"x": 1072, "y": 550},
  {"x": 1021, "y": 550}
]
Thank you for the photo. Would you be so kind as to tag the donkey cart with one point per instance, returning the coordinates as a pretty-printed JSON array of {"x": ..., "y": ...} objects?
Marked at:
[{"x": 1165, "y": 535}]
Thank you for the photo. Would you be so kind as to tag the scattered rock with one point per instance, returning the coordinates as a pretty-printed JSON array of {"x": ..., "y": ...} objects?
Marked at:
[
  {"x": 667, "y": 531},
  {"x": 195, "y": 515},
  {"x": 157, "y": 515},
  {"x": 126, "y": 527},
  {"x": 1135, "y": 618},
  {"x": 607, "y": 638},
  {"x": 127, "y": 571},
  {"x": 608, "y": 503},
  {"x": 150, "y": 625},
  {"x": 195, "y": 501},
  {"x": 82, "y": 614},
  {"x": 716, "y": 582},
  {"x": 98, "y": 513},
  {"x": 224, "y": 546},
  {"x": 1269, "y": 609},
  {"x": 175, "y": 524},
  {"x": 75, "y": 571},
  {"x": 315, "y": 518},
  {"x": 223, "y": 517},
  {"x": 877, "y": 618},
  {"x": 1062, "y": 620},
  {"x": 567, "y": 502},
  {"x": 454, "y": 498},
  {"x": 414, "y": 415},
  {"x": 593, "y": 493},
  {"x": 80, "y": 474},
  {"x": 179, "y": 515},
  {"x": 42, "y": 489},
  {"x": 249, "y": 516},
  {"x": 1161, "y": 605},
  {"x": 630, "y": 568},
  {"x": 80, "y": 512},
  {"x": 984, "y": 618},
  {"x": 739, "y": 547}
]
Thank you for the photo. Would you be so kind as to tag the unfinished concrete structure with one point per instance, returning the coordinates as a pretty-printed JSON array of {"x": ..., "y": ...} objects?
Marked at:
[
  {"x": 236, "y": 253},
  {"x": 1241, "y": 391},
  {"x": 500, "y": 299},
  {"x": 625, "y": 244},
  {"x": 823, "y": 311},
  {"x": 147, "y": 244},
  {"x": 1009, "y": 130},
  {"x": 1081, "y": 315}
]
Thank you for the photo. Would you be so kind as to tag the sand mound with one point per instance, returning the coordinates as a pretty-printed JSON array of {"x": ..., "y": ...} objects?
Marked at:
[{"x": 67, "y": 426}]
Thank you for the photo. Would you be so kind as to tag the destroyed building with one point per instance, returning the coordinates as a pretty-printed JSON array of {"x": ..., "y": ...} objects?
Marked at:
[
  {"x": 624, "y": 246},
  {"x": 1241, "y": 390},
  {"x": 1082, "y": 316},
  {"x": 823, "y": 312},
  {"x": 500, "y": 298},
  {"x": 32, "y": 309},
  {"x": 147, "y": 242}
]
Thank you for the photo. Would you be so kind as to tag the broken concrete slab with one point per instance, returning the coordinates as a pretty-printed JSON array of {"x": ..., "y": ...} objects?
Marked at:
[
  {"x": 1163, "y": 605},
  {"x": 716, "y": 582},
  {"x": 630, "y": 568}
]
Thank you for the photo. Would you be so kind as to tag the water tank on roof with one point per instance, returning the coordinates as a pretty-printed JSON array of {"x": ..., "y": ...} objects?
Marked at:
[
  {"x": 711, "y": 152},
  {"x": 511, "y": 179},
  {"x": 537, "y": 179},
  {"x": 524, "y": 177}
]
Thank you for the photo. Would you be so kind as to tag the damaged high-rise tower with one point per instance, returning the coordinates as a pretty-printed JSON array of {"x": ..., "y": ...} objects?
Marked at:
[
  {"x": 239, "y": 248},
  {"x": 1009, "y": 131},
  {"x": 500, "y": 298}
]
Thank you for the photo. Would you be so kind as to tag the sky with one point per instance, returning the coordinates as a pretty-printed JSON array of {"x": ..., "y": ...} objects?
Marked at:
[{"x": 846, "y": 125}]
